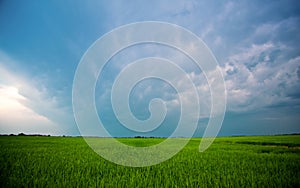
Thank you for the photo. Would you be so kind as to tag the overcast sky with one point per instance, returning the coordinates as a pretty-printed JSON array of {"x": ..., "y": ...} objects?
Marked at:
[{"x": 256, "y": 43}]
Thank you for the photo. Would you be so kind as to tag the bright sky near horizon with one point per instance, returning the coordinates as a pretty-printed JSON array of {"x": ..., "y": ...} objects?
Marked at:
[{"x": 256, "y": 43}]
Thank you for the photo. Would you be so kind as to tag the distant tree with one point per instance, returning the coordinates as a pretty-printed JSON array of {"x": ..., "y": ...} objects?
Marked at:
[{"x": 139, "y": 137}]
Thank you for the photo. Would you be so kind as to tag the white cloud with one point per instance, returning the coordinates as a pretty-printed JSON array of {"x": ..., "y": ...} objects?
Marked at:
[
  {"x": 16, "y": 117},
  {"x": 252, "y": 54},
  {"x": 26, "y": 106},
  {"x": 203, "y": 91},
  {"x": 272, "y": 29},
  {"x": 254, "y": 83}
]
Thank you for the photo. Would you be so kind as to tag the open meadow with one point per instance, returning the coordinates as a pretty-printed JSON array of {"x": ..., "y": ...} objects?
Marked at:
[{"x": 250, "y": 161}]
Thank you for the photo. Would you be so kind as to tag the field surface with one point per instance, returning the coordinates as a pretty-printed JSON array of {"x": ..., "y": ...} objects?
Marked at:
[{"x": 256, "y": 161}]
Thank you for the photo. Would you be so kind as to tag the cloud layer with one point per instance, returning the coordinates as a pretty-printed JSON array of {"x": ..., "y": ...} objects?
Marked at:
[
  {"x": 255, "y": 42},
  {"x": 27, "y": 107}
]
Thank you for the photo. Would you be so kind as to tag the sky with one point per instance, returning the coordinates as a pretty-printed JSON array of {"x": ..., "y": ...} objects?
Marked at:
[{"x": 256, "y": 43}]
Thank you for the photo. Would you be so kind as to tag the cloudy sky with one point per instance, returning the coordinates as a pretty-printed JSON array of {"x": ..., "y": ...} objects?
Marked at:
[{"x": 256, "y": 43}]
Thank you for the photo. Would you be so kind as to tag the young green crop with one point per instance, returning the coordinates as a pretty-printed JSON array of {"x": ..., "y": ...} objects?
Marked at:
[{"x": 260, "y": 161}]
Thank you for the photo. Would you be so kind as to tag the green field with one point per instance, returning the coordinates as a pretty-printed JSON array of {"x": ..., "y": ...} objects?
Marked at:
[{"x": 256, "y": 161}]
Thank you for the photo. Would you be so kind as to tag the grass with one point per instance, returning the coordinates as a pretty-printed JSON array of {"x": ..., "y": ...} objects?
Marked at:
[{"x": 256, "y": 161}]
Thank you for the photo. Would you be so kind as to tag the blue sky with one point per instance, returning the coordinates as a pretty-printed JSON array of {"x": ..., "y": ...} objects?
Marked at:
[{"x": 255, "y": 42}]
